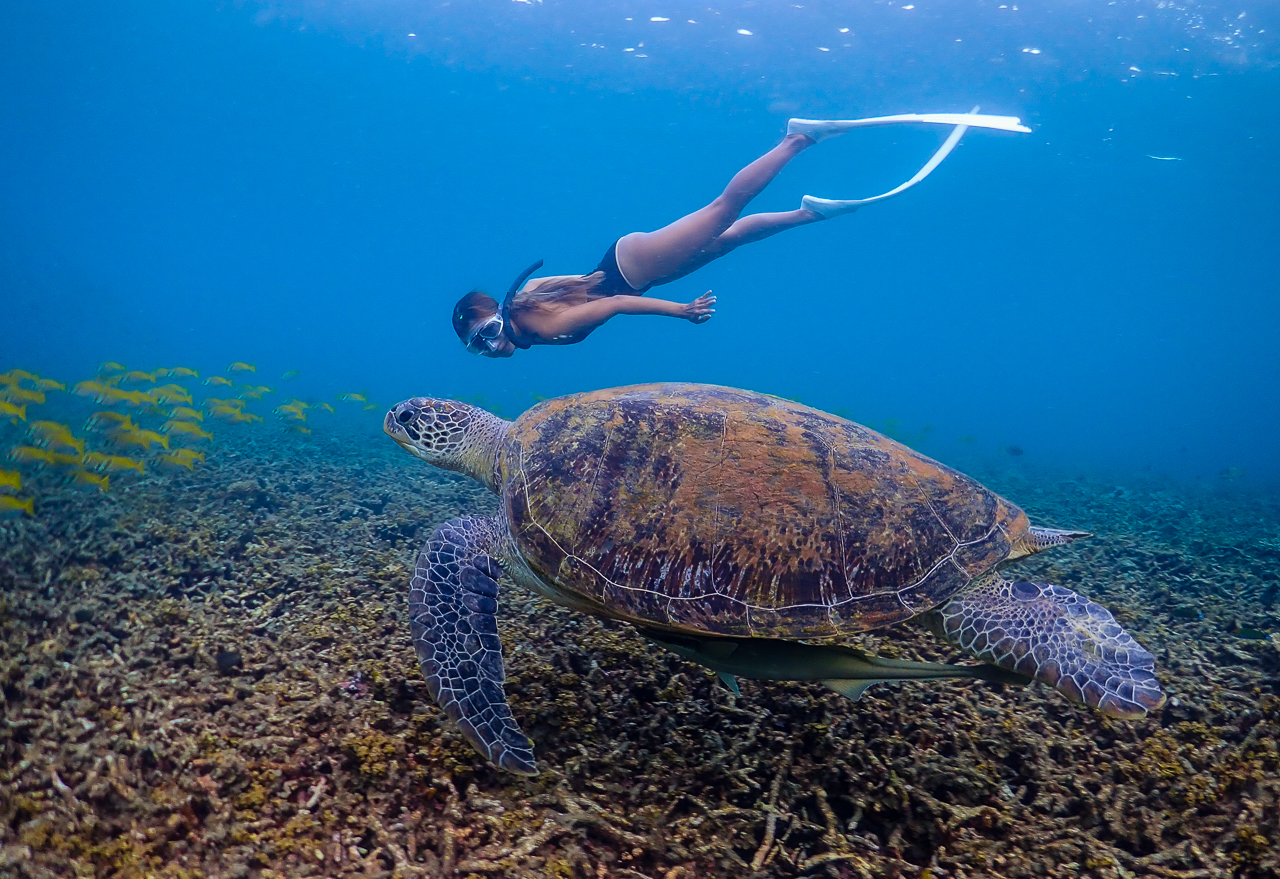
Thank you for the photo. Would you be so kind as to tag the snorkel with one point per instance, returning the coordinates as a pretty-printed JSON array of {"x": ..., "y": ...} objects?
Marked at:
[{"x": 516, "y": 337}]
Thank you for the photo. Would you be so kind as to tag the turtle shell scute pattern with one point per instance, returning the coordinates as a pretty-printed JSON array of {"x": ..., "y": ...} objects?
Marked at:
[{"x": 707, "y": 509}]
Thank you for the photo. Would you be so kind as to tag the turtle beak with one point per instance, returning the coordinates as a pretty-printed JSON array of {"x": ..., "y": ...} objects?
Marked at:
[
  {"x": 389, "y": 425},
  {"x": 399, "y": 424}
]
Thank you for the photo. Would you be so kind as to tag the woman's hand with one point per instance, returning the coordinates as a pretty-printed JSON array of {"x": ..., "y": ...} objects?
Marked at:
[{"x": 699, "y": 311}]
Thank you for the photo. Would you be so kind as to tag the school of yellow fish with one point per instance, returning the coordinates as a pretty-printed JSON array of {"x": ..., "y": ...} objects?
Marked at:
[{"x": 162, "y": 428}]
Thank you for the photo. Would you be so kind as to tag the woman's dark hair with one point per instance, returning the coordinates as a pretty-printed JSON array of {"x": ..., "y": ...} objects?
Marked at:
[
  {"x": 477, "y": 306},
  {"x": 471, "y": 309}
]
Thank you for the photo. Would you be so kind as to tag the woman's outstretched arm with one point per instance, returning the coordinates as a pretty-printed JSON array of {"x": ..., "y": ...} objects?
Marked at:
[
  {"x": 698, "y": 311},
  {"x": 589, "y": 315}
]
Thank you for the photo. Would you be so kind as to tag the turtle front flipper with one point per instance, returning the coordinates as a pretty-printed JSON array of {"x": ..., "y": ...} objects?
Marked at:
[
  {"x": 453, "y": 602},
  {"x": 1057, "y": 637}
]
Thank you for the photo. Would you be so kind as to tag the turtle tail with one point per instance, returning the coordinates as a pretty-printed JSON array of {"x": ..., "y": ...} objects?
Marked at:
[{"x": 1057, "y": 637}]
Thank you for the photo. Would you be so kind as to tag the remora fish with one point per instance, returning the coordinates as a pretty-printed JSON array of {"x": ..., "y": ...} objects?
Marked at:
[{"x": 846, "y": 670}]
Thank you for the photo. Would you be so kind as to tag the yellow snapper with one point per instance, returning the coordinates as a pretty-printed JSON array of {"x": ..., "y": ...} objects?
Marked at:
[
  {"x": 109, "y": 421},
  {"x": 291, "y": 412},
  {"x": 218, "y": 380},
  {"x": 8, "y": 410},
  {"x": 66, "y": 441},
  {"x": 214, "y": 403},
  {"x": 58, "y": 459},
  {"x": 152, "y": 438},
  {"x": 171, "y": 394},
  {"x": 109, "y": 396},
  {"x": 174, "y": 462},
  {"x": 111, "y": 366},
  {"x": 49, "y": 384},
  {"x": 51, "y": 433},
  {"x": 117, "y": 463},
  {"x": 84, "y": 477},
  {"x": 185, "y": 428},
  {"x": 127, "y": 438},
  {"x": 30, "y": 455},
  {"x": 88, "y": 389},
  {"x": 44, "y": 457},
  {"x": 11, "y": 479},
  {"x": 112, "y": 463},
  {"x": 178, "y": 372},
  {"x": 182, "y": 413},
  {"x": 11, "y": 507},
  {"x": 48, "y": 428},
  {"x": 326, "y": 407},
  {"x": 353, "y": 398},
  {"x": 15, "y": 393},
  {"x": 190, "y": 454},
  {"x": 138, "y": 376},
  {"x": 242, "y": 367}
]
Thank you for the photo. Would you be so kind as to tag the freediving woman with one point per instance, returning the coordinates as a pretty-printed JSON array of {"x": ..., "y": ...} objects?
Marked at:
[{"x": 564, "y": 309}]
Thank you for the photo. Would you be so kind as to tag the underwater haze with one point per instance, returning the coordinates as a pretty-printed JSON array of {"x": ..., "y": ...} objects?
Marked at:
[
  {"x": 310, "y": 186},
  {"x": 245, "y": 635}
]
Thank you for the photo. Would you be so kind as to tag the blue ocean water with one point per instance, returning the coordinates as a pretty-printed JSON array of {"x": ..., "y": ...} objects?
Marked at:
[
  {"x": 310, "y": 186},
  {"x": 205, "y": 662}
]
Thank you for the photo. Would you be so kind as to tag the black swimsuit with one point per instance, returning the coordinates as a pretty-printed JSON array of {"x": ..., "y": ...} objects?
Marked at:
[{"x": 614, "y": 284}]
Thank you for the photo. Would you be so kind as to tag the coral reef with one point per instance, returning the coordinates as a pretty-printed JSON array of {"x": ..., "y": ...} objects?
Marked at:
[{"x": 211, "y": 674}]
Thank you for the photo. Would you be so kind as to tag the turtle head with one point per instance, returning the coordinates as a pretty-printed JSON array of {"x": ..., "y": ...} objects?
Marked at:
[{"x": 449, "y": 435}]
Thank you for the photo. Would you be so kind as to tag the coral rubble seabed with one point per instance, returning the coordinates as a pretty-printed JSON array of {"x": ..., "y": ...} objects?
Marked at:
[{"x": 210, "y": 673}]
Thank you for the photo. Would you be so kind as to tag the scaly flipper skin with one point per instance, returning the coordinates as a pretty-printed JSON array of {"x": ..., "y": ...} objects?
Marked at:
[
  {"x": 453, "y": 602},
  {"x": 1058, "y": 637}
]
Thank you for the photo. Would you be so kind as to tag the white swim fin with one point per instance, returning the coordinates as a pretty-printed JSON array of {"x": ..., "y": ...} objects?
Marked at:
[{"x": 819, "y": 129}]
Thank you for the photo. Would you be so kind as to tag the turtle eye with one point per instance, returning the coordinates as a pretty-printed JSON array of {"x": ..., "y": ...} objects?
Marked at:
[{"x": 405, "y": 416}]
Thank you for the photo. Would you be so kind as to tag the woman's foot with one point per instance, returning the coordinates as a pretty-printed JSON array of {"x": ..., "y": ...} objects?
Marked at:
[
  {"x": 826, "y": 208},
  {"x": 818, "y": 129}
]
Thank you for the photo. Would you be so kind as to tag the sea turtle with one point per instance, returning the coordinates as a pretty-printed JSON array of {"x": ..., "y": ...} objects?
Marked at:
[{"x": 731, "y": 526}]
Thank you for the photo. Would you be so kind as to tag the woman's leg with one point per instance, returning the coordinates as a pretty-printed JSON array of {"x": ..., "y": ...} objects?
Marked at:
[
  {"x": 755, "y": 227},
  {"x": 677, "y": 249}
]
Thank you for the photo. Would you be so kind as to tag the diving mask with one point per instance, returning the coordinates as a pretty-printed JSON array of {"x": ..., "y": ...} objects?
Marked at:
[{"x": 485, "y": 337}]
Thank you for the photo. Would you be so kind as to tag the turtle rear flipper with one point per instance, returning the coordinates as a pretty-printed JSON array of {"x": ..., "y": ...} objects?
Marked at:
[
  {"x": 453, "y": 602},
  {"x": 1058, "y": 637}
]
